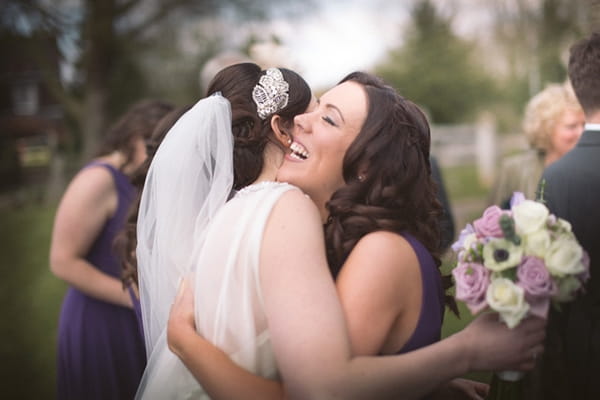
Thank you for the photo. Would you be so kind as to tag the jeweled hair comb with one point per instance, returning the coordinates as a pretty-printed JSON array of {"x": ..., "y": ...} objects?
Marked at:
[{"x": 271, "y": 93}]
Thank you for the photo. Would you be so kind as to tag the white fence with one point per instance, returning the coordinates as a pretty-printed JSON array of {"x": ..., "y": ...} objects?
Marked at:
[{"x": 476, "y": 144}]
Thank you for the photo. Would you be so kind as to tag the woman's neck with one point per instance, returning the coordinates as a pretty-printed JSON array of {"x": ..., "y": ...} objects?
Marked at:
[
  {"x": 117, "y": 160},
  {"x": 272, "y": 159}
]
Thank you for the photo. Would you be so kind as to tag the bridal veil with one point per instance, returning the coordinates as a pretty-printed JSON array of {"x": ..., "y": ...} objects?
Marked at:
[{"x": 190, "y": 178}]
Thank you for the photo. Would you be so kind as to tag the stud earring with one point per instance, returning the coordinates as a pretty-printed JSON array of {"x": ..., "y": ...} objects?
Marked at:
[{"x": 361, "y": 178}]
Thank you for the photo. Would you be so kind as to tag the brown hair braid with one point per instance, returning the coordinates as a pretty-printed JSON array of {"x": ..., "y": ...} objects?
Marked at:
[{"x": 397, "y": 193}]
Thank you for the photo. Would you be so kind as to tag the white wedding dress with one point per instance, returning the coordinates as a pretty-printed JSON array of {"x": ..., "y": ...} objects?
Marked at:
[{"x": 228, "y": 303}]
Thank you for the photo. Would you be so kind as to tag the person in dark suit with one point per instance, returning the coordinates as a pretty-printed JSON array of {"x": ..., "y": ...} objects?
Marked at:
[{"x": 570, "y": 366}]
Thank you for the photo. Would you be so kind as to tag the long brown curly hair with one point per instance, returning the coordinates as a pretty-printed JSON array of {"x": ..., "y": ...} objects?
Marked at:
[{"x": 396, "y": 193}]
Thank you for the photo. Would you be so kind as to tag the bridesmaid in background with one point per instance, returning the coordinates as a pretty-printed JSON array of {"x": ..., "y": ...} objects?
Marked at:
[{"x": 100, "y": 348}]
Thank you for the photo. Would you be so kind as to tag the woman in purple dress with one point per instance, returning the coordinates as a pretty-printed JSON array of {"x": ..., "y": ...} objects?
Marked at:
[{"x": 100, "y": 347}]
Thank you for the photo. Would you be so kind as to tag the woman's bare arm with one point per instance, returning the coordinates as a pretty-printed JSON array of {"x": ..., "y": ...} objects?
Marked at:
[
  {"x": 210, "y": 366},
  {"x": 380, "y": 290},
  {"x": 87, "y": 203}
]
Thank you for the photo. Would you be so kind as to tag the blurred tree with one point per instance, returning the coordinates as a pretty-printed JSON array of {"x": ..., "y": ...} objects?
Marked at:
[
  {"x": 534, "y": 37},
  {"x": 531, "y": 39},
  {"x": 437, "y": 69},
  {"x": 103, "y": 46}
]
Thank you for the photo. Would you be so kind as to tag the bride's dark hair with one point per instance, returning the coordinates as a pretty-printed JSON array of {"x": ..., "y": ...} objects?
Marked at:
[
  {"x": 395, "y": 191},
  {"x": 251, "y": 133}
]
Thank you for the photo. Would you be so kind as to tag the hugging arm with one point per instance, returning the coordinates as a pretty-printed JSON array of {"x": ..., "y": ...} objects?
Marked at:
[
  {"x": 210, "y": 366},
  {"x": 309, "y": 334}
]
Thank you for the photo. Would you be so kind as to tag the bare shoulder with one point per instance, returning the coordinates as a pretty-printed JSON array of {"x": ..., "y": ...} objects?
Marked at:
[
  {"x": 388, "y": 252},
  {"x": 92, "y": 188},
  {"x": 94, "y": 179},
  {"x": 296, "y": 204},
  {"x": 293, "y": 227},
  {"x": 385, "y": 244}
]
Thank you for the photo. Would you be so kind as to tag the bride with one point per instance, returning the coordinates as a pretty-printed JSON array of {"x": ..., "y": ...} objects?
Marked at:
[{"x": 258, "y": 264}]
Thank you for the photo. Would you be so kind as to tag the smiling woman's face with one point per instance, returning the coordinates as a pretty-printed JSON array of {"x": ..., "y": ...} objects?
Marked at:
[
  {"x": 567, "y": 131},
  {"x": 321, "y": 138}
]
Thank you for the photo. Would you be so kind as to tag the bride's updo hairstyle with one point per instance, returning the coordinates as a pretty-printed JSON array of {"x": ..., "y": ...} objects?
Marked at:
[
  {"x": 388, "y": 177},
  {"x": 251, "y": 133}
]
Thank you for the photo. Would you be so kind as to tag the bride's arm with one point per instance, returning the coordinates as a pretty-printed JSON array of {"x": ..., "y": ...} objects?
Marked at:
[{"x": 219, "y": 376}]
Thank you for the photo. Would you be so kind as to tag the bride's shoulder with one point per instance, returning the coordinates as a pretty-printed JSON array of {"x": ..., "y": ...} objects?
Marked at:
[
  {"x": 294, "y": 203},
  {"x": 279, "y": 196},
  {"x": 293, "y": 216}
]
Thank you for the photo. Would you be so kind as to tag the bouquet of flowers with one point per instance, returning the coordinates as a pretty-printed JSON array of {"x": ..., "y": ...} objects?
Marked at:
[{"x": 517, "y": 262}]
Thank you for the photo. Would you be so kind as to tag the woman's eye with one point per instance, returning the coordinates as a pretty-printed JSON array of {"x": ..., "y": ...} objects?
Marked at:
[{"x": 329, "y": 121}]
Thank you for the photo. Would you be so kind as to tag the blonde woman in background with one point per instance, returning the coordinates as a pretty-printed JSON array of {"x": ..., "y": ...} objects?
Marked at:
[{"x": 553, "y": 123}]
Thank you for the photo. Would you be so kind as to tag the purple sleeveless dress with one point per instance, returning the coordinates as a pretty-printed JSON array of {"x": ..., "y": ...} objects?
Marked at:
[
  {"x": 429, "y": 325},
  {"x": 101, "y": 353}
]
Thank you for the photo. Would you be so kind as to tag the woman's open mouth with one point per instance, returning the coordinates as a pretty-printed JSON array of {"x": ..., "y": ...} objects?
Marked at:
[{"x": 298, "y": 151}]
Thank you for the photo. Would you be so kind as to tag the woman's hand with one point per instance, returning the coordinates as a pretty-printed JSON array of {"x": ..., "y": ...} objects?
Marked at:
[
  {"x": 492, "y": 346},
  {"x": 461, "y": 389},
  {"x": 210, "y": 365},
  {"x": 181, "y": 322}
]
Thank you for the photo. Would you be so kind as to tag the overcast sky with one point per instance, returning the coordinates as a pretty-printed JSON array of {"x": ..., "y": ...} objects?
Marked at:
[
  {"x": 341, "y": 37},
  {"x": 345, "y": 35}
]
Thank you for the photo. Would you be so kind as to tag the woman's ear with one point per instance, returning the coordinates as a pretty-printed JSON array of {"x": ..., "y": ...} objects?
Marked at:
[{"x": 281, "y": 134}]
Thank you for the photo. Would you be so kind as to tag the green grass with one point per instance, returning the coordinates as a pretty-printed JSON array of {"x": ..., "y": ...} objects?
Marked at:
[
  {"x": 467, "y": 197},
  {"x": 462, "y": 182},
  {"x": 30, "y": 298}
]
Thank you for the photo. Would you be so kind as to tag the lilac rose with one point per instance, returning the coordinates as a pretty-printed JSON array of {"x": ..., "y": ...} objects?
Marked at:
[
  {"x": 516, "y": 199},
  {"x": 472, "y": 281},
  {"x": 535, "y": 279},
  {"x": 460, "y": 243},
  {"x": 489, "y": 224}
]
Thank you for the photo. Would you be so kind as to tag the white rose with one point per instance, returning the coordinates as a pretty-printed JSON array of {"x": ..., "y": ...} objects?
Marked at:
[
  {"x": 501, "y": 254},
  {"x": 564, "y": 257},
  {"x": 537, "y": 243},
  {"x": 563, "y": 225},
  {"x": 567, "y": 288},
  {"x": 508, "y": 300},
  {"x": 529, "y": 216}
]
